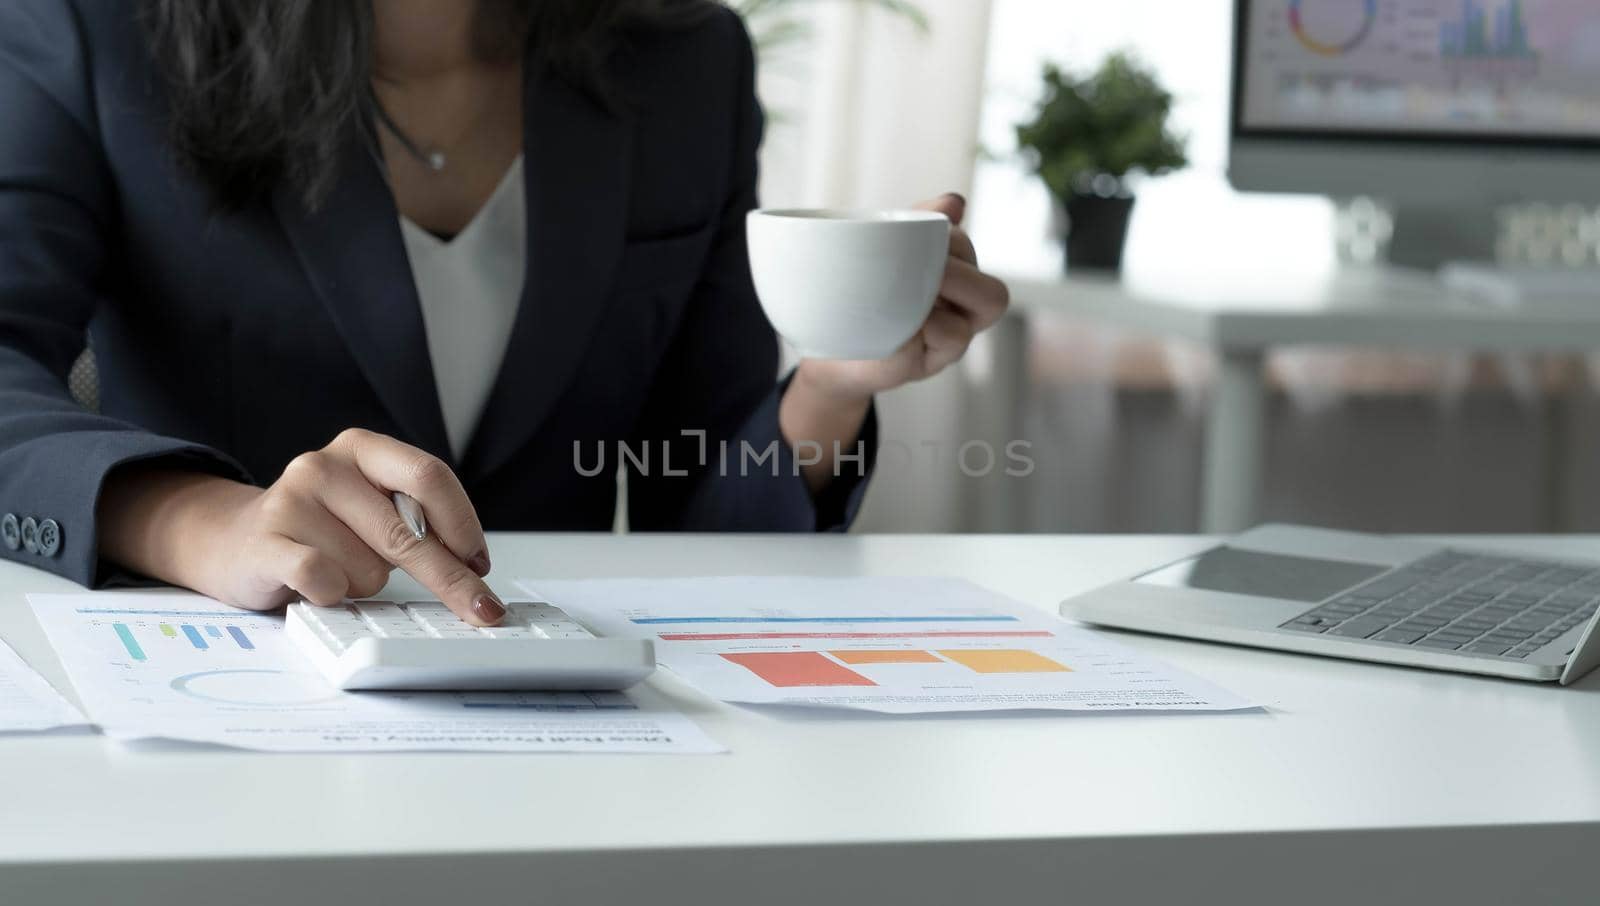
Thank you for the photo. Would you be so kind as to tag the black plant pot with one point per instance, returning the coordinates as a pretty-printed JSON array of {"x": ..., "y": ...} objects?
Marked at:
[{"x": 1096, "y": 231}]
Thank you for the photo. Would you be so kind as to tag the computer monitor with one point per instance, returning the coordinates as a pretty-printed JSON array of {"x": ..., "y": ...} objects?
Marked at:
[{"x": 1446, "y": 109}]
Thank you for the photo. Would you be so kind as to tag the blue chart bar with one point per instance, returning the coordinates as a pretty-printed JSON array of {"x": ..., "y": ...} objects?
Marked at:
[
  {"x": 128, "y": 641},
  {"x": 241, "y": 638},
  {"x": 214, "y": 632},
  {"x": 195, "y": 638},
  {"x": 969, "y": 619}
]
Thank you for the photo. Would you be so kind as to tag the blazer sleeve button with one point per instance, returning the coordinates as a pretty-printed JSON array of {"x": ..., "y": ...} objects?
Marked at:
[
  {"x": 30, "y": 535},
  {"x": 10, "y": 532},
  {"x": 49, "y": 537}
]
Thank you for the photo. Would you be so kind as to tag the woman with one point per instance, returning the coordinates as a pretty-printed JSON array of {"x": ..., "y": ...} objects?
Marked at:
[{"x": 325, "y": 250}]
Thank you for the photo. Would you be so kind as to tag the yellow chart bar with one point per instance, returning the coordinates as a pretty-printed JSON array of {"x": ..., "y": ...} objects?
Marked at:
[{"x": 1006, "y": 661}]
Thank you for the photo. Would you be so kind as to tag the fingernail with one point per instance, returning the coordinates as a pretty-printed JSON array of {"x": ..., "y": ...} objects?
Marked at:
[
  {"x": 479, "y": 563},
  {"x": 957, "y": 197},
  {"x": 489, "y": 609}
]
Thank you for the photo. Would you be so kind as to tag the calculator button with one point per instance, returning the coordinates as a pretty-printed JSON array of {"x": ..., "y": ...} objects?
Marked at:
[
  {"x": 411, "y": 631},
  {"x": 448, "y": 630},
  {"x": 349, "y": 635},
  {"x": 577, "y": 633},
  {"x": 514, "y": 632},
  {"x": 563, "y": 626}
]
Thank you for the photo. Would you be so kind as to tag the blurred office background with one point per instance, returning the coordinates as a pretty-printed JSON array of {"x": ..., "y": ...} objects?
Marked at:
[{"x": 874, "y": 107}]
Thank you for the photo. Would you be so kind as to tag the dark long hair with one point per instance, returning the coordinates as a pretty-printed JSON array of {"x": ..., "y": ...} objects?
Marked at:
[{"x": 266, "y": 91}]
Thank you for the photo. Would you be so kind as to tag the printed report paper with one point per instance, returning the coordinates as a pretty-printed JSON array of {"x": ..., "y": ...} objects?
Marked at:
[
  {"x": 895, "y": 645},
  {"x": 181, "y": 666},
  {"x": 28, "y": 703}
]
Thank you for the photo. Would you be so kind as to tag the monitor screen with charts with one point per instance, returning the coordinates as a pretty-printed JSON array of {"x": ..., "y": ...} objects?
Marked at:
[{"x": 1458, "y": 69}]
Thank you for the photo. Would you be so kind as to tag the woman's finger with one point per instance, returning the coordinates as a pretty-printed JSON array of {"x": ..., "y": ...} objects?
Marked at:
[
  {"x": 961, "y": 246},
  {"x": 947, "y": 333},
  {"x": 370, "y": 514},
  {"x": 311, "y": 574},
  {"x": 395, "y": 466},
  {"x": 951, "y": 204},
  {"x": 366, "y": 573},
  {"x": 980, "y": 296}
]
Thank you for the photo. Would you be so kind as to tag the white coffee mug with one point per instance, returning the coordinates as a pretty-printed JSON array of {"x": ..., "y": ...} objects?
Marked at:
[{"x": 847, "y": 284}]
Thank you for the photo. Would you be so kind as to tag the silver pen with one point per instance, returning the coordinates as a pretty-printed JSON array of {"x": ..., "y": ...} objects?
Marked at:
[{"x": 411, "y": 513}]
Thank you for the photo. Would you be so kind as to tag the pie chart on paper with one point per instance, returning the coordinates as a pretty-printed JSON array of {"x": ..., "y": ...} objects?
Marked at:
[{"x": 255, "y": 688}]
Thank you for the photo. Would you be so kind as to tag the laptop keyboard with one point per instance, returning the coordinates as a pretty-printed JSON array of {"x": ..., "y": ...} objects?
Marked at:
[{"x": 1498, "y": 606}]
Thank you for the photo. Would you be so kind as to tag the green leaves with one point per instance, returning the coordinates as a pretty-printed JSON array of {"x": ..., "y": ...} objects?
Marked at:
[{"x": 1110, "y": 123}]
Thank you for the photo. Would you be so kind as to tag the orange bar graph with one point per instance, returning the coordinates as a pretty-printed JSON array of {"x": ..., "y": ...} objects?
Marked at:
[
  {"x": 1005, "y": 661},
  {"x": 798, "y": 668},
  {"x": 886, "y": 657}
]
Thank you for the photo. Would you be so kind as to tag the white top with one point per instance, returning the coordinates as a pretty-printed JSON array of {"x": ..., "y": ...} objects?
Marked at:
[
  {"x": 1123, "y": 809},
  {"x": 470, "y": 287}
]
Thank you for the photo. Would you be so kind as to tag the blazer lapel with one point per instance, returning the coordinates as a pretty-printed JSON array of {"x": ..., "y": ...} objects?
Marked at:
[
  {"x": 577, "y": 160},
  {"x": 353, "y": 252}
]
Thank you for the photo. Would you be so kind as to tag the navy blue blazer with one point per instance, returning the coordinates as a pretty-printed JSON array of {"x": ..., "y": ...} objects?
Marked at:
[{"x": 229, "y": 342}]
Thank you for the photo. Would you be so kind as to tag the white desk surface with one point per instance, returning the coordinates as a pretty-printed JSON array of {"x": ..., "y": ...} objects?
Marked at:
[
  {"x": 1378, "y": 307},
  {"x": 1359, "y": 784}
]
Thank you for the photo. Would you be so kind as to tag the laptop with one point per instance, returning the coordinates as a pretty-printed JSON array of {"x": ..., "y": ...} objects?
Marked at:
[{"x": 1370, "y": 598}]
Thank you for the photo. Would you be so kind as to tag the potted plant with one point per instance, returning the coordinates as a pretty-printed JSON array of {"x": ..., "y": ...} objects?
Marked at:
[{"x": 1089, "y": 137}]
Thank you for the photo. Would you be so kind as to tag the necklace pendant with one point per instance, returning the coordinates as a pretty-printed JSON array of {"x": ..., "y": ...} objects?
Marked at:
[{"x": 436, "y": 161}]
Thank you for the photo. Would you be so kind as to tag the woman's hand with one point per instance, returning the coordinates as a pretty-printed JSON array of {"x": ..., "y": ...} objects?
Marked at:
[
  {"x": 827, "y": 400},
  {"x": 325, "y": 531},
  {"x": 969, "y": 302}
]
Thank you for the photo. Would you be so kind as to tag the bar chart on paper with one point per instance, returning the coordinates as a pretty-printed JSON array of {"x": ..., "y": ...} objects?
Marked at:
[
  {"x": 205, "y": 653},
  {"x": 892, "y": 645},
  {"x": 143, "y": 634},
  {"x": 852, "y": 667}
]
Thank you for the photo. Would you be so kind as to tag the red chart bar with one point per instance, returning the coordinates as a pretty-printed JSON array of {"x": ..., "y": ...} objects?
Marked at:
[
  {"x": 953, "y": 634},
  {"x": 786, "y": 669}
]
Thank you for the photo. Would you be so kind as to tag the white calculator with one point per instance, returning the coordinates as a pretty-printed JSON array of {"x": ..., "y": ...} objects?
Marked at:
[{"x": 372, "y": 644}]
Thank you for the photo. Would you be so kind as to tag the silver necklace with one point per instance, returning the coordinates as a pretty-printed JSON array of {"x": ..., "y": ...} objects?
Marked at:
[{"x": 434, "y": 160}]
